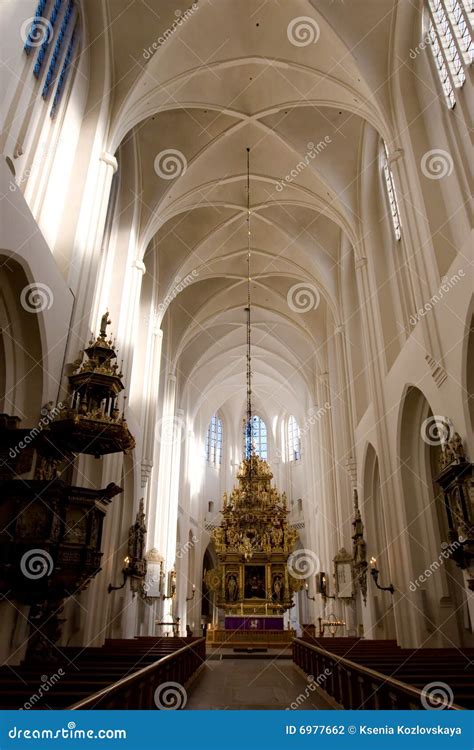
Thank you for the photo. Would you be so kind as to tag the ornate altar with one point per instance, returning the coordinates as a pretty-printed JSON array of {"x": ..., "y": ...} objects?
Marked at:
[{"x": 253, "y": 544}]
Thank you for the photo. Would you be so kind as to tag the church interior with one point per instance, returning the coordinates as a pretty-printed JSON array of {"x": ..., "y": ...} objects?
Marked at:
[{"x": 236, "y": 355}]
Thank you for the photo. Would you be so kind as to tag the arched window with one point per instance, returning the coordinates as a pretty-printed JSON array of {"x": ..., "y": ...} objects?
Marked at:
[
  {"x": 214, "y": 441},
  {"x": 451, "y": 43},
  {"x": 294, "y": 440},
  {"x": 50, "y": 39},
  {"x": 391, "y": 194},
  {"x": 259, "y": 437}
]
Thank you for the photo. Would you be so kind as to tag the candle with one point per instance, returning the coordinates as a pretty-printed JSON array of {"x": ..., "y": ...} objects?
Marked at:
[{"x": 373, "y": 562}]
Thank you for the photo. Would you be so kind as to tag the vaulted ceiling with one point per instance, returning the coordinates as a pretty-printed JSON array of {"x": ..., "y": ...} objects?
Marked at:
[{"x": 299, "y": 83}]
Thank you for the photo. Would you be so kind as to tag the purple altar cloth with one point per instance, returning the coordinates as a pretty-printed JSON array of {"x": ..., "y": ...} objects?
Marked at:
[{"x": 253, "y": 623}]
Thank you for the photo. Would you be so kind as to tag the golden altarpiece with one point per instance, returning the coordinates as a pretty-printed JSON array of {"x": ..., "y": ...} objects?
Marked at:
[{"x": 253, "y": 544}]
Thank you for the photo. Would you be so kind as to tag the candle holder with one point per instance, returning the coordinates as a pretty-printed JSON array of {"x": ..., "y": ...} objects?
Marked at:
[
  {"x": 306, "y": 588},
  {"x": 190, "y": 598},
  {"x": 322, "y": 587},
  {"x": 171, "y": 586},
  {"x": 375, "y": 576},
  {"x": 126, "y": 572}
]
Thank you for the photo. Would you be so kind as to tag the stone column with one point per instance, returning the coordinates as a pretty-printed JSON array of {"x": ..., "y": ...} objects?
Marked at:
[
  {"x": 400, "y": 565},
  {"x": 90, "y": 234}
]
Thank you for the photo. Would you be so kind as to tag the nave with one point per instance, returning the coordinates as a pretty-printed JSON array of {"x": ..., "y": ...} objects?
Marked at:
[
  {"x": 236, "y": 354},
  {"x": 241, "y": 683}
]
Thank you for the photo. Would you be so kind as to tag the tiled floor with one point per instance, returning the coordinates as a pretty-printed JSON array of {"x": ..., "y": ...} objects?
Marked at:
[{"x": 253, "y": 684}]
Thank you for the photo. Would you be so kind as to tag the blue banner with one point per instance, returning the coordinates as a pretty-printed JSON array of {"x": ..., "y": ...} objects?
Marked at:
[{"x": 235, "y": 730}]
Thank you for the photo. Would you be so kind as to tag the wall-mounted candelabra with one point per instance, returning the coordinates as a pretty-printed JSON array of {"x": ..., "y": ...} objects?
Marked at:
[
  {"x": 190, "y": 598},
  {"x": 126, "y": 572},
  {"x": 306, "y": 588},
  {"x": 171, "y": 586},
  {"x": 322, "y": 587},
  {"x": 374, "y": 572}
]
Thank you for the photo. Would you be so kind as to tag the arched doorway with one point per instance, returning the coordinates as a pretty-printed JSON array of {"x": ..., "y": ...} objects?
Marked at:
[
  {"x": 21, "y": 365},
  {"x": 380, "y": 603},
  {"x": 437, "y": 584}
]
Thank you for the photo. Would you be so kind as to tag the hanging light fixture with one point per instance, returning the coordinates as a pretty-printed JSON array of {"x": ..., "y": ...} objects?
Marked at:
[{"x": 249, "y": 448}]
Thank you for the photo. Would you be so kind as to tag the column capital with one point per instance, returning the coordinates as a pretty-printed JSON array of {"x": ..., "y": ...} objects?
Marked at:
[
  {"x": 110, "y": 160},
  {"x": 139, "y": 265},
  {"x": 396, "y": 155},
  {"x": 361, "y": 262}
]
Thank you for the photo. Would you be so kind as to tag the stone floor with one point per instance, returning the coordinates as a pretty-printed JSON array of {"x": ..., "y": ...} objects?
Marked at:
[{"x": 253, "y": 684}]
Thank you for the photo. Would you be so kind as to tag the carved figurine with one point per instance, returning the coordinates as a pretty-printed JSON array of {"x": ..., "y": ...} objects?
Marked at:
[{"x": 104, "y": 322}]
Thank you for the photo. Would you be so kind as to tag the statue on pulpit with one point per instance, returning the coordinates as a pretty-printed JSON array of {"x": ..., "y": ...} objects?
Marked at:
[{"x": 104, "y": 322}]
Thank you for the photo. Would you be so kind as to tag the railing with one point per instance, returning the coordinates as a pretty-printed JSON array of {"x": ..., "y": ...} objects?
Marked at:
[
  {"x": 354, "y": 686},
  {"x": 137, "y": 690}
]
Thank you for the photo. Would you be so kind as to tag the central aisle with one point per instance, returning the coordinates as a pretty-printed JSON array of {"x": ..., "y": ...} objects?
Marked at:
[{"x": 253, "y": 683}]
